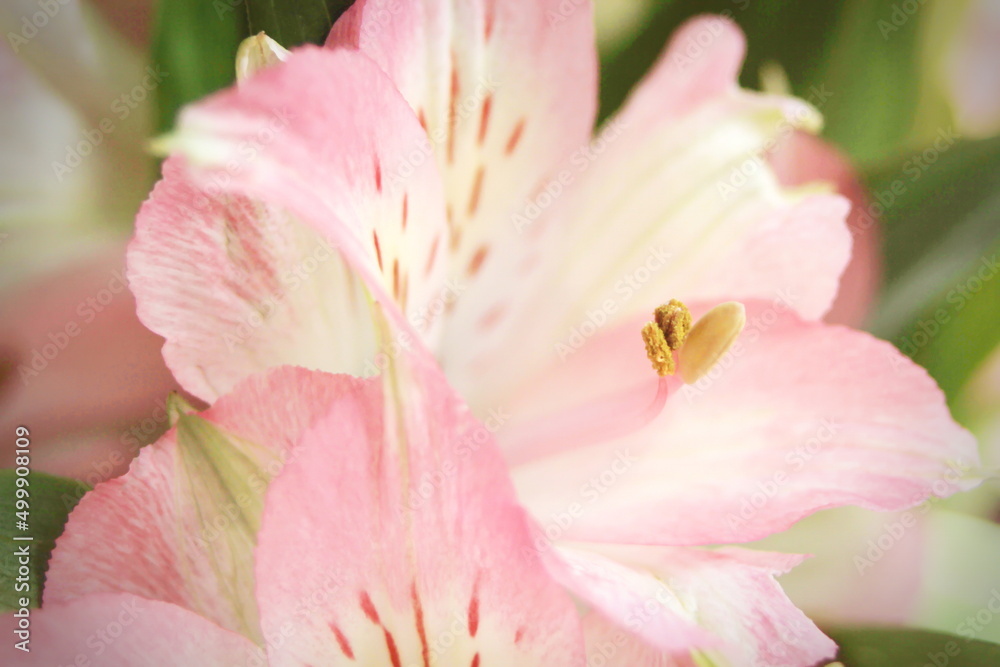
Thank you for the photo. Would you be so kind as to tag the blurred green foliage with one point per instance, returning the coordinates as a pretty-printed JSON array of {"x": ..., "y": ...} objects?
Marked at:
[
  {"x": 49, "y": 502},
  {"x": 294, "y": 22},
  {"x": 892, "y": 647},
  {"x": 195, "y": 41}
]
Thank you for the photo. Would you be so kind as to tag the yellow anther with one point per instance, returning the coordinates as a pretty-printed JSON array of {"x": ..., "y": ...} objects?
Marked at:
[
  {"x": 666, "y": 334},
  {"x": 699, "y": 347},
  {"x": 657, "y": 349},
  {"x": 710, "y": 338},
  {"x": 674, "y": 319}
]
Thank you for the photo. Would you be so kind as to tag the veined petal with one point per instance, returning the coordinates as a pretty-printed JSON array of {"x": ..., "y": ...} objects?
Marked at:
[
  {"x": 673, "y": 197},
  {"x": 730, "y": 593},
  {"x": 295, "y": 206},
  {"x": 122, "y": 630},
  {"x": 180, "y": 526},
  {"x": 408, "y": 545},
  {"x": 796, "y": 417},
  {"x": 505, "y": 89},
  {"x": 635, "y": 601},
  {"x": 236, "y": 286}
]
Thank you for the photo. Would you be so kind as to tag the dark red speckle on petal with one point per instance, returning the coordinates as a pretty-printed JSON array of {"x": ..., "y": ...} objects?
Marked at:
[
  {"x": 390, "y": 644},
  {"x": 345, "y": 646},
  {"x": 368, "y": 608},
  {"x": 515, "y": 137}
]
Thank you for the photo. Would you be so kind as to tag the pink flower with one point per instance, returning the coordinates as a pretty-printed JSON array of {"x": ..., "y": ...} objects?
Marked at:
[
  {"x": 804, "y": 158},
  {"x": 438, "y": 164},
  {"x": 75, "y": 363},
  {"x": 182, "y": 561},
  {"x": 80, "y": 370}
]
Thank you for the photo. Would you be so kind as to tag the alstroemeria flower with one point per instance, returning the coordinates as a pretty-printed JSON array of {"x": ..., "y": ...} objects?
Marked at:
[
  {"x": 436, "y": 163},
  {"x": 185, "y": 561}
]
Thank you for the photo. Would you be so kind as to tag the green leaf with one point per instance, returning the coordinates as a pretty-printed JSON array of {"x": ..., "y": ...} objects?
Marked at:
[
  {"x": 194, "y": 43},
  {"x": 871, "y": 68},
  {"x": 899, "y": 647},
  {"x": 295, "y": 22},
  {"x": 49, "y": 502},
  {"x": 940, "y": 222}
]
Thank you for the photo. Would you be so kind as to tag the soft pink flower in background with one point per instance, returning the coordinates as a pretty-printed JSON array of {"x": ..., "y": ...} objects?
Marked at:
[
  {"x": 313, "y": 189},
  {"x": 81, "y": 371},
  {"x": 94, "y": 395}
]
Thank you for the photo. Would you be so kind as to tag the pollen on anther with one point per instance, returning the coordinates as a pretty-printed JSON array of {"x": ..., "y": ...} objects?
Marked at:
[
  {"x": 657, "y": 350},
  {"x": 665, "y": 334},
  {"x": 674, "y": 319}
]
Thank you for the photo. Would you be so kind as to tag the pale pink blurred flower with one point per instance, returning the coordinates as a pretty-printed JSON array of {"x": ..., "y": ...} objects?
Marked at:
[
  {"x": 74, "y": 171},
  {"x": 80, "y": 371}
]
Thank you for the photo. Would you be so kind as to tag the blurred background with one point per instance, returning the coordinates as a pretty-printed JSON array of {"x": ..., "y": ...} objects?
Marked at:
[{"x": 910, "y": 90}]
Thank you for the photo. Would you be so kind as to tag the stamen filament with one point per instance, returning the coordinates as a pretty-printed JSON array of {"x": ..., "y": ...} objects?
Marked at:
[{"x": 601, "y": 420}]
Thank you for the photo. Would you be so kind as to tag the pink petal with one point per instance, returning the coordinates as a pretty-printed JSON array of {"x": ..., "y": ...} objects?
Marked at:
[
  {"x": 123, "y": 631},
  {"x": 797, "y": 417},
  {"x": 407, "y": 545},
  {"x": 153, "y": 532},
  {"x": 803, "y": 158},
  {"x": 82, "y": 373},
  {"x": 628, "y": 598},
  {"x": 239, "y": 257},
  {"x": 673, "y": 199},
  {"x": 733, "y": 595},
  {"x": 505, "y": 90}
]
